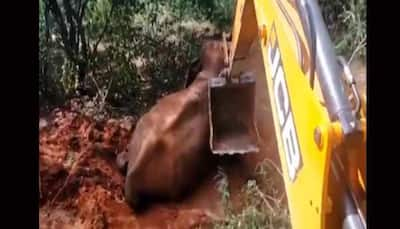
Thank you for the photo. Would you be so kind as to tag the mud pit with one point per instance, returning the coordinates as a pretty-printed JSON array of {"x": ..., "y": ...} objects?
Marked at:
[{"x": 81, "y": 186}]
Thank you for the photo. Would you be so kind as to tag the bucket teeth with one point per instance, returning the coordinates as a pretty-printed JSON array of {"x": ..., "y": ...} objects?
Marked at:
[{"x": 217, "y": 82}]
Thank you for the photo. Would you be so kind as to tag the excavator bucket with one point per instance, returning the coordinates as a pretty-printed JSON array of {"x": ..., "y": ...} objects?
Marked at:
[{"x": 231, "y": 112}]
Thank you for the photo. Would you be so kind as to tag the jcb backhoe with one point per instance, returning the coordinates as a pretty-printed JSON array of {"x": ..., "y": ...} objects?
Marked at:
[{"x": 282, "y": 68}]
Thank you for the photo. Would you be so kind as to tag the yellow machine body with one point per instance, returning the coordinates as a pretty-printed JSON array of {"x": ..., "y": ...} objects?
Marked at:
[{"x": 309, "y": 143}]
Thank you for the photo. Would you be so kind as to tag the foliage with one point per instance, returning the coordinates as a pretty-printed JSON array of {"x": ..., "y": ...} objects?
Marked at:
[
  {"x": 51, "y": 59},
  {"x": 136, "y": 51},
  {"x": 128, "y": 54},
  {"x": 346, "y": 20},
  {"x": 263, "y": 205}
]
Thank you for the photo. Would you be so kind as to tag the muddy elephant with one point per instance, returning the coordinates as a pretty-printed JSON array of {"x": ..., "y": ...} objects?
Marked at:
[{"x": 169, "y": 149}]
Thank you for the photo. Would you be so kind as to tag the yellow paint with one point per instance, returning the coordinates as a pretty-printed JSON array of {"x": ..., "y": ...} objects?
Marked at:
[
  {"x": 307, "y": 195},
  {"x": 360, "y": 179}
]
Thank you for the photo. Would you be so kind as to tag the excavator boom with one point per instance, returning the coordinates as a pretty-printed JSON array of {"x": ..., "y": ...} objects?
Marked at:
[{"x": 320, "y": 134}]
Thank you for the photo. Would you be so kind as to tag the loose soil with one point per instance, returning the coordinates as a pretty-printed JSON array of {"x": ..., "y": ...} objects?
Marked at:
[{"x": 82, "y": 187}]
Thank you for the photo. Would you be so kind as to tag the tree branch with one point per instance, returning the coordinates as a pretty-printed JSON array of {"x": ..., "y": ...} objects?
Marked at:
[
  {"x": 82, "y": 32},
  {"x": 55, "y": 10},
  {"x": 108, "y": 19},
  {"x": 79, "y": 4},
  {"x": 46, "y": 21},
  {"x": 82, "y": 9},
  {"x": 47, "y": 39},
  {"x": 69, "y": 13}
]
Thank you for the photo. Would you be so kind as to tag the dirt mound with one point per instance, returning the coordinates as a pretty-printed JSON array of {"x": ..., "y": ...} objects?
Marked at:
[
  {"x": 77, "y": 157},
  {"x": 80, "y": 184}
]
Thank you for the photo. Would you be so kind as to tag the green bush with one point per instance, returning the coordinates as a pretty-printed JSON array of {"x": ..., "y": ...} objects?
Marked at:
[
  {"x": 148, "y": 57},
  {"x": 51, "y": 91},
  {"x": 346, "y": 21},
  {"x": 263, "y": 205},
  {"x": 139, "y": 50}
]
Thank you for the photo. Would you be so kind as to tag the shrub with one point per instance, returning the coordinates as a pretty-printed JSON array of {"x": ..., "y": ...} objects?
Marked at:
[
  {"x": 139, "y": 50},
  {"x": 346, "y": 21},
  {"x": 264, "y": 206}
]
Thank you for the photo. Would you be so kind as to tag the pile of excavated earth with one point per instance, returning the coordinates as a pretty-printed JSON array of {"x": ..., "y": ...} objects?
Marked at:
[{"x": 82, "y": 186}]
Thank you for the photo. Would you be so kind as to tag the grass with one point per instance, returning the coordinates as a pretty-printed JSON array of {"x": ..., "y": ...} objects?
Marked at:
[
  {"x": 263, "y": 205},
  {"x": 347, "y": 25}
]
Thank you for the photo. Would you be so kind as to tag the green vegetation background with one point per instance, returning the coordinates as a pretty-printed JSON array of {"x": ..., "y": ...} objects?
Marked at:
[{"x": 123, "y": 55}]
